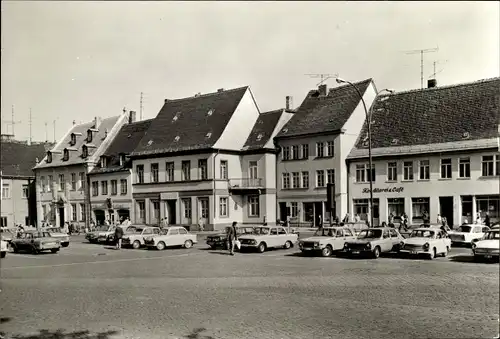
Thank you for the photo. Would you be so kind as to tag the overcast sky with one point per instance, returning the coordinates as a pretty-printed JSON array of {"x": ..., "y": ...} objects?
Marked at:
[{"x": 78, "y": 60}]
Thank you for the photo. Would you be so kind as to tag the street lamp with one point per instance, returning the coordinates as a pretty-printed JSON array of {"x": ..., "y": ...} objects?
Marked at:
[{"x": 368, "y": 115}]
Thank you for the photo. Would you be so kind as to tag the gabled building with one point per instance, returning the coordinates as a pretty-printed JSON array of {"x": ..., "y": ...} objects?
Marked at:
[
  {"x": 314, "y": 146},
  {"x": 62, "y": 181},
  {"x": 110, "y": 180},
  {"x": 208, "y": 159},
  {"x": 434, "y": 150},
  {"x": 18, "y": 199}
]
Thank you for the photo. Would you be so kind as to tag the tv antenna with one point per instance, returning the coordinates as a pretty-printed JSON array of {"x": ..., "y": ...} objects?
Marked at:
[
  {"x": 421, "y": 52},
  {"x": 437, "y": 62},
  {"x": 322, "y": 76},
  {"x": 140, "y": 107},
  {"x": 12, "y": 122},
  {"x": 31, "y": 140}
]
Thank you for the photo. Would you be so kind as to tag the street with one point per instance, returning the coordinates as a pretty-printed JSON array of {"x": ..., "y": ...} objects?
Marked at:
[{"x": 201, "y": 293}]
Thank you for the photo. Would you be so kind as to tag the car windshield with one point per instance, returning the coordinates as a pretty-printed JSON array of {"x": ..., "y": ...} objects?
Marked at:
[
  {"x": 370, "y": 234},
  {"x": 261, "y": 230},
  {"x": 492, "y": 235},
  {"x": 325, "y": 232},
  {"x": 422, "y": 234},
  {"x": 244, "y": 230},
  {"x": 137, "y": 230},
  {"x": 465, "y": 229},
  {"x": 102, "y": 228}
]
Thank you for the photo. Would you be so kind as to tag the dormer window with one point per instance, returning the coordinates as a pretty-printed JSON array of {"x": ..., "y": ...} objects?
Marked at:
[
  {"x": 259, "y": 136},
  {"x": 85, "y": 151},
  {"x": 73, "y": 139},
  {"x": 49, "y": 157},
  {"x": 209, "y": 134},
  {"x": 122, "y": 159},
  {"x": 177, "y": 138},
  {"x": 210, "y": 112},
  {"x": 65, "y": 155},
  {"x": 104, "y": 162},
  {"x": 89, "y": 136}
]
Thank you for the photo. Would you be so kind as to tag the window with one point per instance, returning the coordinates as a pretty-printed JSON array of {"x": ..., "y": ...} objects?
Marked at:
[
  {"x": 89, "y": 136},
  {"x": 305, "y": 151},
  {"x": 43, "y": 184},
  {"x": 95, "y": 188},
  {"x": 62, "y": 183},
  {"x": 73, "y": 139},
  {"x": 320, "y": 178},
  {"x": 330, "y": 148},
  {"x": 419, "y": 206},
  {"x": 408, "y": 170},
  {"x": 123, "y": 186},
  {"x": 363, "y": 174},
  {"x": 104, "y": 161},
  {"x": 296, "y": 180},
  {"x": 203, "y": 169},
  {"x": 182, "y": 231},
  {"x": 223, "y": 169},
  {"x": 467, "y": 206},
  {"x": 286, "y": 180},
  {"x": 49, "y": 157},
  {"x": 186, "y": 170},
  {"x": 286, "y": 153},
  {"x": 445, "y": 168},
  {"x": 464, "y": 167},
  {"x": 294, "y": 209},
  {"x": 156, "y": 211},
  {"x": 74, "y": 214},
  {"x": 3, "y": 222},
  {"x": 139, "y": 169},
  {"x": 114, "y": 187},
  {"x": 320, "y": 150},
  {"x": 65, "y": 155},
  {"x": 26, "y": 191},
  {"x": 188, "y": 212},
  {"x": 252, "y": 169},
  {"x": 169, "y": 171},
  {"x": 154, "y": 172},
  {"x": 488, "y": 165},
  {"x": 392, "y": 171},
  {"x": 104, "y": 187},
  {"x": 330, "y": 176},
  {"x": 85, "y": 151},
  {"x": 204, "y": 207},
  {"x": 73, "y": 181},
  {"x": 50, "y": 183},
  {"x": 305, "y": 179},
  {"x": 81, "y": 179},
  {"x": 424, "y": 170},
  {"x": 488, "y": 204},
  {"x": 253, "y": 206},
  {"x": 82, "y": 212},
  {"x": 5, "y": 191},
  {"x": 295, "y": 152},
  {"x": 223, "y": 207},
  {"x": 396, "y": 206},
  {"x": 141, "y": 206}
]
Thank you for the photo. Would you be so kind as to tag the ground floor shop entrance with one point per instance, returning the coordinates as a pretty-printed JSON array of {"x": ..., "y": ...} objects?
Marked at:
[{"x": 446, "y": 209}]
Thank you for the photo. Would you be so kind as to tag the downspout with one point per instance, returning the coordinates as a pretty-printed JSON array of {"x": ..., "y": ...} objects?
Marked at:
[
  {"x": 213, "y": 199},
  {"x": 88, "y": 206}
]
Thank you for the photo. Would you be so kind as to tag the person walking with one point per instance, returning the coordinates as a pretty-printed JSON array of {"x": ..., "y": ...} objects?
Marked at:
[
  {"x": 487, "y": 220},
  {"x": 439, "y": 219},
  {"x": 231, "y": 237},
  {"x": 118, "y": 237}
]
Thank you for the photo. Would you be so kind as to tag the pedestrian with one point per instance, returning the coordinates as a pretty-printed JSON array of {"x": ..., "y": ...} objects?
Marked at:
[
  {"x": 337, "y": 219},
  {"x": 201, "y": 225},
  {"x": 439, "y": 219},
  {"x": 320, "y": 221},
  {"x": 478, "y": 217},
  {"x": 391, "y": 218},
  {"x": 231, "y": 237},
  {"x": 487, "y": 220},
  {"x": 118, "y": 237},
  {"x": 384, "y": 224}
]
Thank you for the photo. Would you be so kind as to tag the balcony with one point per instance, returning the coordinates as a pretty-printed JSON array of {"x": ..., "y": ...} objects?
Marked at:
[{"x": 246, "y": 184}]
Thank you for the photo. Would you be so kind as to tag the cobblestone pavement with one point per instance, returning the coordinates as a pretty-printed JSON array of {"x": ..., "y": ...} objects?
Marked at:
[{"x": 200, "y": 293}]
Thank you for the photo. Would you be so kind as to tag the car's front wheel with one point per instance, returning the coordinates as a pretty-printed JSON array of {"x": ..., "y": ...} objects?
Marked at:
[
  {"x": 160, "y": 246},
  {"x": 376, "y": 252},
  {"x": 54, "y": 250},
  {"x": 136, "y": 244},
  {"x": 327, "y": 251},
  {"x": 188, "y": 244},
  {"x": 261, "y": 248},
  {"x": 288, "y": 245},
  {"x": 66, "y": 244}
]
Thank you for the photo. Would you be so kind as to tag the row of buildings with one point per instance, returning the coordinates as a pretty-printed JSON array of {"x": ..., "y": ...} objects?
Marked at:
[{"x": 214, "y": 158}]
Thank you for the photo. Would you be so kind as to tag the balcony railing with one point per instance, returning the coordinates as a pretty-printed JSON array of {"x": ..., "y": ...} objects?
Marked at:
[{"x": 245, "y": 183}]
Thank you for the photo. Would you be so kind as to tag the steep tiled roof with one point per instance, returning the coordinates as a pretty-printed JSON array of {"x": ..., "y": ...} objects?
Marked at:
[
  {"x": 124, "y": 143},
  {"x": 439, "y": 115},
  {"x": 263, "y": 129},
  {"x": 190, "y": 123},
  {"x": 319, "y": 113},
  {"x": 18, "y": 158},
  {"x": 75, "y": 153}
]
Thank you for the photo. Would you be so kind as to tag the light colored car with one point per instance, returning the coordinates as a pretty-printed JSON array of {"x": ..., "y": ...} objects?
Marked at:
[
  {"x": 56, "y": 232},
  {"x": 427, "y": 241},
  {"x": 36, "y": 242},
  {"x": 375, "y": 241},
  {"x": 327, "y": 240},
  {"x": 134, "y": 235},
  {"x": 7, "y": 234},
  {"x": 467, "y": 233},
  {"x": 102, "y": 234},
  {"x": 265, "y": 237},
  {"x": 3, "y": 248},
  {"x": 169, "y": 237},
  {"x": 488, "y": 246}
]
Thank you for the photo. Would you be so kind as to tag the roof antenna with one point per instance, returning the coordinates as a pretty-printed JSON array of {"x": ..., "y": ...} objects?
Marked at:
[
  {"x": 140, "y": 107},
  {"x": 421, "y": 52},
  {"x": 323, "y": 76},
  {"x": 433, "y": 75}
]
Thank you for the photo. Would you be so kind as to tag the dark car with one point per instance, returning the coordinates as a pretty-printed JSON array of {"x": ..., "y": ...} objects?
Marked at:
[
  {"x": 220, "y": 240},
  {"x": 36, "y": 242}
]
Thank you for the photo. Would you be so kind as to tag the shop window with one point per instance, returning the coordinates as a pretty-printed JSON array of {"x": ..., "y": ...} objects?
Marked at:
[
  {"x": 362, "y": 207},
  {"x": 467, "y": 206},
  {"x": 295, "y": 209},
  {"x": 419, "y": 206},
  {"x": 488, "y": 204},
  {"x": 396, "y": 206}
]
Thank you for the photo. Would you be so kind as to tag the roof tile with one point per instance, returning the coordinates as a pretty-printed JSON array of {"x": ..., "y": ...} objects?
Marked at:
[
  {"x": 19, "y": 158},
  {"x": 263, "y": 129}
]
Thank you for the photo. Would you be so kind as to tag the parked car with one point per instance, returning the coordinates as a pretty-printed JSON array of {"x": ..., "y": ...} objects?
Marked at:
[
  {"x": 3, "y": 248},
  {"x": 447, "y": 228},
  {"x": 169, "y": 237},
  {"x": 467, "y": 233},
  {"x": 101, "y": 234},
  {"x": 488, "y": 246},
  {"x": 375, "y": 241},
  {"x": 265, "y": 237},
  {"x": 220, "y": 240},
  {"x": 427, "y": 241},
  {"x": 56, "y": 232},
  {"x": 327, "y": 240},
  {"x": 7, "y": 234},
  {"x": 134, "y": 235},
  {"x": 36, "y": 242}
]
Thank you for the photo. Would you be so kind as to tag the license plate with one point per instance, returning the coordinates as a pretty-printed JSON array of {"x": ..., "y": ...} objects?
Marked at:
[
  {"x": 307, "y": 248},
  {"x": 487, "y": 256},
  {"x": 413, "y": 252},
  {"x": 355, "y": 252}
]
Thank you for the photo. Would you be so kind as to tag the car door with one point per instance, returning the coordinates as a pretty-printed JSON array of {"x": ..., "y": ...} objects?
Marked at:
[
  {"x": 477, "y": 233},
  {"x": 183, "y": 235},
  {"x": 146, "y": 233},
  {"x": 25, "y": 241},
  {"x": 386, "y": 243},
  {"x": 274, "y": 238},
  {"x": 339, "y": 239},
  {"x": 395, "y": 240},
  {"x": 172, "y": 238}
]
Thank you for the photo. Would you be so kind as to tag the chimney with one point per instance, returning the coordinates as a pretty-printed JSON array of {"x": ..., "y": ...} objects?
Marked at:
[
  {"x": 132, "y": 117},
  {"x": 166, "y": 100},
  {"x": 220, "y": 90},
  {"x": 288, "y": 100},
  {"x": 431, "y": 83},
  {"x": 97, "y": 122},
  {"x": 323, "y": 89},
  {"x": 74, "y": 122}
]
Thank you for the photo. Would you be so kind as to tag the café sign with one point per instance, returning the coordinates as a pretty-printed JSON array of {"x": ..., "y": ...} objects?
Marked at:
[{"x": 385, "y": 190}]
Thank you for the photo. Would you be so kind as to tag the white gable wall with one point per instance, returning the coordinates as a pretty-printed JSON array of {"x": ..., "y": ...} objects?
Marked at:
[{"x": 285, "y": 117}]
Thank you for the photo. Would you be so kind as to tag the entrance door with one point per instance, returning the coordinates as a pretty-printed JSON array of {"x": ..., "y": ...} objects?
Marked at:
[
  {"x": 309, "y": 212},
  {"x": 171, "y": 208},
  {"x": 318, "y": 212},
  {"x": 252, "y": 174},
  {"x": 61, "y": 216},
  {"x": 123, "y": 214},
  {"x": 446, "y": 209},
  {"x": 99, "y": 217},
  {"x": 283, "y": 211}
]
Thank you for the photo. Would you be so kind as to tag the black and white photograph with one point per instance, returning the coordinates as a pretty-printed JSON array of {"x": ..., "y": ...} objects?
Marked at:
[{"x": 250, "y": 170}]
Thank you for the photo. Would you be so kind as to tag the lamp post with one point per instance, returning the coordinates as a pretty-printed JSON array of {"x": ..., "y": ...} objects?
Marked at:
[{"x": 368, "y": 115}]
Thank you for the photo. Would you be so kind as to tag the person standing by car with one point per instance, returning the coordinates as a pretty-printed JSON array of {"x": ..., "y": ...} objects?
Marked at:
[
  {"x": 118, "y": 237},
  {"x": 231, "y": 237}
]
